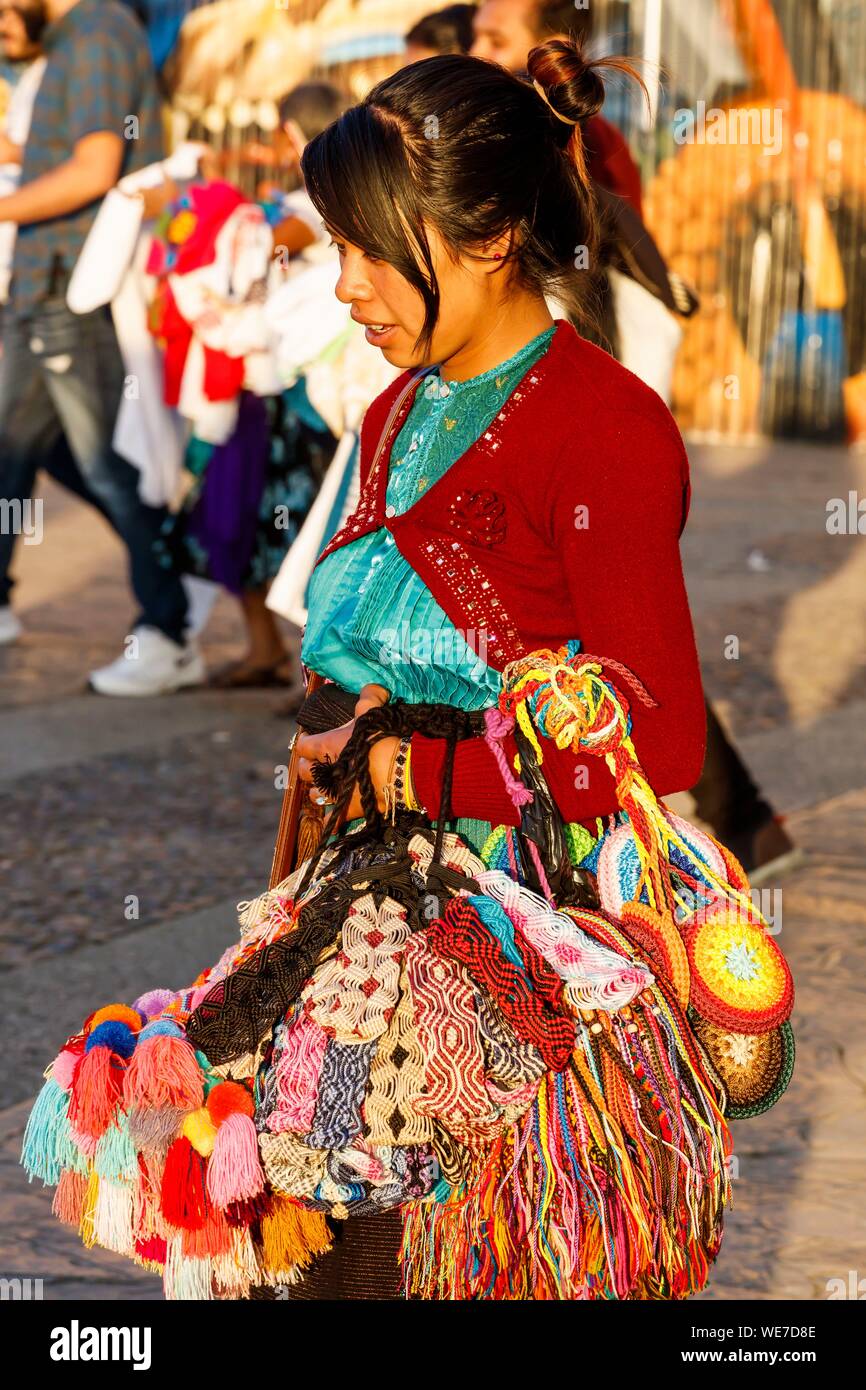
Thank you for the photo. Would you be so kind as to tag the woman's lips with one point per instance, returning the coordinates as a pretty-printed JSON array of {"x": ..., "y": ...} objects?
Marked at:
[{"x": 379, "y": 337}]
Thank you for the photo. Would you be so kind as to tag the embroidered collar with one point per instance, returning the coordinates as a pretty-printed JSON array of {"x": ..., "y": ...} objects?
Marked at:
[
  {"x": 436, "y": 387},
  {"x": 371, "y": 511}
]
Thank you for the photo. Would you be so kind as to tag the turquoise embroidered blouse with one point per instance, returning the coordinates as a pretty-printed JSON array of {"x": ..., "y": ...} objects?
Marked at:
[{"x": 371, "y": 617}]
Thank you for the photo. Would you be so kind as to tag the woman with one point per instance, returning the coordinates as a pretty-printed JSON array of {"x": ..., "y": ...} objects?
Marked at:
[
  {"x": 460, "y": 1064},
  {"x": 582, "y": 539},
  {"x": 492, "y": 335}
]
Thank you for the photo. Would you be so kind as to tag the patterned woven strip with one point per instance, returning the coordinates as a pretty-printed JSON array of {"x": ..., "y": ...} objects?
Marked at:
[
  {"x": 447, "y": 1027},
  {"x": 461, "y": 936},
  {"x": 419, "y": 1169},
  {"x": 511, "y": 1105},
  {"x": 265, "y": 1085},
  {"x": 596, "y": 976},
  {"x": 509, "y": 1062},
  {"x": 361, "y": 1163},
  {"x": 240, "y": 1009},
  {"x": 343, "y": 1194},
  {"x": 391, "y": 1113},
  {"x": 258, "y": 916},
  {"x": 297, "y": 1075},
  {"x": 544, "y": 981},
  {"x": 456, "y": 854},
  {"x": 269, "y": 918},
  {"x": 378, "y": 1179},
  {"x": 343, "y": 1081},
  {"x": 290, "y": 1166},
  {"x": 353, "y": 996},
  {"x": 455, "y": 1160},
  {"x": 242, "y": 1067}
]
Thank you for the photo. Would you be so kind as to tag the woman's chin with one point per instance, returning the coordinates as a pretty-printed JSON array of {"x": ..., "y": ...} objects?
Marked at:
[{"x": 401, "y": 357}]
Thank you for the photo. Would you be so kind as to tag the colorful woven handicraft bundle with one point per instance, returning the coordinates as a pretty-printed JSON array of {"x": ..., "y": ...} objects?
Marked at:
[{"x": 540, "y": 1080}]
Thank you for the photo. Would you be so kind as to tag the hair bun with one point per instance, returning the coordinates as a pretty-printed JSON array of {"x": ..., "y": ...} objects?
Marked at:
[{"x": 571, "y": 83}]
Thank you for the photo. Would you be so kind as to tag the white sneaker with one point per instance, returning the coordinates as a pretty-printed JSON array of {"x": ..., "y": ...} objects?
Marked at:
[
  {"x": 151, "y": 664},
  {"x": 10, "y": 625}
]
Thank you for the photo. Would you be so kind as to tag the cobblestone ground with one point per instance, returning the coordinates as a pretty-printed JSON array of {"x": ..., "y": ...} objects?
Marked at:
[{"x": 131, "y": 830}]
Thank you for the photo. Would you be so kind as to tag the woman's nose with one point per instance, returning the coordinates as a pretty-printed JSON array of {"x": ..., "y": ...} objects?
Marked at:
[{"x": 352, "y": 283}]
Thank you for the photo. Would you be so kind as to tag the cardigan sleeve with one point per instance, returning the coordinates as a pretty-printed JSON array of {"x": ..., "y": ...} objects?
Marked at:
[
  {"x": 624, "y": 575},
  {"x": 477, "y": 791}
]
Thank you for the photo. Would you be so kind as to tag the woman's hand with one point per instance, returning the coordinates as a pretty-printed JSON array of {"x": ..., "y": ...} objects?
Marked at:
[
  {"x": 327, "y": 748},
  {"x": 321, "y": 748}
]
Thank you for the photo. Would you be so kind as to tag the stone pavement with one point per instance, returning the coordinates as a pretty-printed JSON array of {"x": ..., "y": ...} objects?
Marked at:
[{"x": 172, "y": 803}]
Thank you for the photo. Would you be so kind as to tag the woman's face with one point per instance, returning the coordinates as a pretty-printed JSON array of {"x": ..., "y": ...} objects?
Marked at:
[{"x": 380, "y": 296}]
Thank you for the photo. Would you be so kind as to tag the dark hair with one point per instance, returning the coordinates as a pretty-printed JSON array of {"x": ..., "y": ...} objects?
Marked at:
[
  {"x": 314, "y": 106},
  {"x": 476, "y": 152},
  {"x": 445, "y": 31}
]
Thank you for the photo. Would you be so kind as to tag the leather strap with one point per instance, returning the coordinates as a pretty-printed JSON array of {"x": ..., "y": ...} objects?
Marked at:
[
  {"x": 290, "y": 813},
  {"x": 395, "y": 411}
]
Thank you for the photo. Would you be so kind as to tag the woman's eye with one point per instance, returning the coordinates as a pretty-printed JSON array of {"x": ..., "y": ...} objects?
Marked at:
[{"x": 340, "y": 247}]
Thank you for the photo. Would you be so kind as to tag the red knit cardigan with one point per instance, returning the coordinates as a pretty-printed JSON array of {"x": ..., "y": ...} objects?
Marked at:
[{"x": 561, "y": 521}]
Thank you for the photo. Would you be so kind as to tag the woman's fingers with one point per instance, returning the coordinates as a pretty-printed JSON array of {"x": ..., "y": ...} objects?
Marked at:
[
  {"x": 325, "y": 747},
  {"x": 307, "y": 747}
]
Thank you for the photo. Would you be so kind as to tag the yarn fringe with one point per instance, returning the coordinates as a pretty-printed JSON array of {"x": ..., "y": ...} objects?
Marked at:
[
  {"x": 185, "y": 1278},
  {"x": 96, "y": 1090},
  {"x": 68, "y": 1199},
  {"x": 163, "y": 1071},
  {"x": 291, "y": 1237},
  {"x": 112, "y": 1217},
  {"x": 116, "y": 1157},
  {"x": 612, "y": 1185},
  {"x": 183, "y": 1201},
  {"x": 47, "y": 1128},
  {"x": 235, "y": 1171}
]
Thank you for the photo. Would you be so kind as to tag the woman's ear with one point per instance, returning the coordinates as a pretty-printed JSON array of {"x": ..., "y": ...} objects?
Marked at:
[{"x": 497, "y": 249}]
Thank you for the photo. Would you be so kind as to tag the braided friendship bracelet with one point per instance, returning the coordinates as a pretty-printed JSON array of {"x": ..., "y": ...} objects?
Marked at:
[
  {"x": 389, "y": 790},
  {"x": 395, "y": 789},
  {"x": 410, "y": 801}
]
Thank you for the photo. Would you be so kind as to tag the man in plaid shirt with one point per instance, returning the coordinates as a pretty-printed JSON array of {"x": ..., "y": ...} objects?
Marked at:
[{"x": 96, "y": 118}]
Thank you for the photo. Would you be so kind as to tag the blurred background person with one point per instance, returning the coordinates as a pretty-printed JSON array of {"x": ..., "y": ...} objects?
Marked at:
[
  {"x": 21, "y": 28},
  {"x": 505, "y": 31},
  {"x": 305, "y": 111},
  {"x": 444, "y": 31},
  {"x": 62, "y": 373},
  {"x": 252, "y": 492}
]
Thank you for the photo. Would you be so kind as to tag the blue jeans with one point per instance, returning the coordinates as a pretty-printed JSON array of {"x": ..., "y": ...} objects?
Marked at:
[{"x": 61, "y": 381}]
